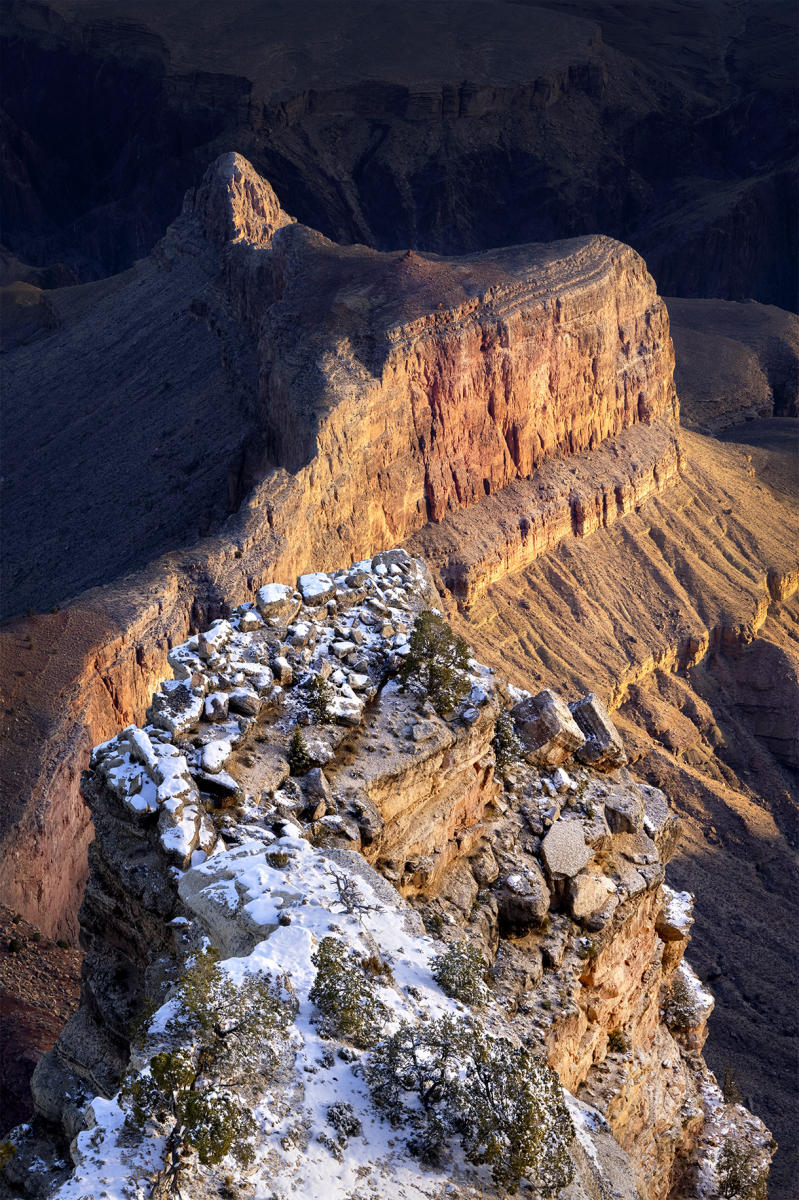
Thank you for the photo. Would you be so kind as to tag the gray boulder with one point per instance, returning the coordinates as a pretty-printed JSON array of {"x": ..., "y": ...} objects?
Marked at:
[
  {"x": 547, "y": 730},
  {"x": 564, "y": 849},
  {"x": 522, "y": 900},
  {"x": 603, "y": 747}
]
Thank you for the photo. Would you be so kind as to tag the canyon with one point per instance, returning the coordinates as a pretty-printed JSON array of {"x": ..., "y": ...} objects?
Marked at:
[
  {"x": 446, "y": 127},
  {"x": 511, "y": 417}
]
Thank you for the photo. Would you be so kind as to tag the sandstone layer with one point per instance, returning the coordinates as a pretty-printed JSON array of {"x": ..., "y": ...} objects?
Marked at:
[{"x": 391, "y": 388}]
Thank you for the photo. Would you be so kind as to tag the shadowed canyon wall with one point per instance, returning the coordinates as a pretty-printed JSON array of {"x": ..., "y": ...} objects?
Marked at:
[{"x": 443, "y": 126}]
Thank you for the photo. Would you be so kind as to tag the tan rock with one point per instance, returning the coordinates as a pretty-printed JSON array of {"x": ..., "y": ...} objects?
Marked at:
[{"x": 546, "y": 728}]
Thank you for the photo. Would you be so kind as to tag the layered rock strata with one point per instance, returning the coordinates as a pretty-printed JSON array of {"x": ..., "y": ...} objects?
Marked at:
[
  {"x": 557, "y": 877},
  {"x": 377, "y": 391}
]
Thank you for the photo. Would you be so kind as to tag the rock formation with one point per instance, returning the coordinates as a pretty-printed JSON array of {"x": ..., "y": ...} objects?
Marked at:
[
  {"x": 391, "y": 389},
  {"x": 637, "y": 553},
  {"x": 436, "y": 125},
  {"x": 553, "y": 875}
]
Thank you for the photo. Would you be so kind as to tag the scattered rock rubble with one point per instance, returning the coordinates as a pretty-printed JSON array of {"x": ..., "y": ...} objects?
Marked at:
[{"x": 555, "y": 871}]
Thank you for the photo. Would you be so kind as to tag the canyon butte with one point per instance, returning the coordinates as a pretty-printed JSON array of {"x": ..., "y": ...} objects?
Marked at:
[{"x": 508, "y": 415}]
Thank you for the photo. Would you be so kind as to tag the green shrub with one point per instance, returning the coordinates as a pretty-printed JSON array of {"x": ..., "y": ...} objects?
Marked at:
[
  {"x": 437, "y": 663},
  {"x": 227, "y": 1035},
  {"x": 507, "y": 747},
  {"x": 460, "y": 972},
  {"x": 14, "y": 945},
  {"x": 345, "y": 995},
  {"x": 342, "y": 1118},
  {"x": 617, "y": 1042},
  {"x": 320, "y": 697},
  {"x": 445, "y": 1078},
  {"x": 741, "y": 1174},
  {"x": 680, "y": 1008},
  {"x": 300, "y": 761}
]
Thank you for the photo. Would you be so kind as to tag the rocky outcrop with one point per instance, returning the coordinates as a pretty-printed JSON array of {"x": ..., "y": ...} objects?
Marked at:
[
  {"x": 466, "y": 127},
  {"x": 556, "y": 879},
  {"x": 390, "y": 388}
]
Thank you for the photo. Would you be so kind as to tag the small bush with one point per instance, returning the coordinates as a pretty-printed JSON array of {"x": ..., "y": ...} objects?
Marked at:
[
  {"x": 729, "y": 1087},
  {"x": 278, "y": 859},
  {"x": 507, "y": 747},
  {"x": 617, "y": 1042},
  {"x": 300, "y": 762},
  {"x": 14, "y": 945},
  {"x": 460, "y": 972},
  {"x": 437, "y": 663},
  {"x": 506, "y": 1106},
  {"x": 741, "y": 1174},
  {"x": 62, "y": 945},
  {"x": 344, "y": 994},
  {"x": 226, "y": 1033},
  {"x": 680, "y": 1008},
  {"x": 342, "y": 1118},
  {"x": 319, "y": 699}
]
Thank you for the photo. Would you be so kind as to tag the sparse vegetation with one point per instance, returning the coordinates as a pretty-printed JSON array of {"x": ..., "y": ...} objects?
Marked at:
[
  {"x": 680, "y": 1007},
  {"x": 729, "y": 1087},
  {"x": 437, "y": 663},
  {"x": 507, "y": 747},
  {"x": 345, "y": 995},
  {"x": 342, "y": 1118},
  {"x": 618, "y": 1043},
  {"x": 447, "y": 1078},
  {"x": 300, "y": 761},
  {"x": 226, "y": 1035},
  {"x": 741, "y": 1174},
  {"x": 460, "y": 972},
  {"x": 278, "y": 859},
  {"x": 319, "y": 699}
]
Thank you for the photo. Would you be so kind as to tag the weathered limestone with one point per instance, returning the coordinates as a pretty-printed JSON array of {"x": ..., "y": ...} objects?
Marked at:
[
  {"x": 603, "y": 747},
  {"x": 547, "y": 729}
]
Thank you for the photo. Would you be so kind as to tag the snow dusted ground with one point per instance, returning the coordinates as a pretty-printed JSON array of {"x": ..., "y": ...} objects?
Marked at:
[
  {"x": 263, "y": 896},
  {"x": 241, "y": 894}
]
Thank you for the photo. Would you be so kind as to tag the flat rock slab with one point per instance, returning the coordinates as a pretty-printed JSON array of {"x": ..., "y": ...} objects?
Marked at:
[{"x": 564, "y": 849}]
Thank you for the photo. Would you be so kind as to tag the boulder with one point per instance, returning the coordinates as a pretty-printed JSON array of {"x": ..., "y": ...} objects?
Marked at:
[
  {"x": 564, "y": 849},
  {"x": 603, "y": 747},
  {"x": 588, "y": 894},
  {"x": 391, "y": 558},
  {"x": 660, "y": 823},
  {"x": 277, "y": 601},
  {"x": 245, "y": 701},
  {"x": 216, "y": 706},
  {"x": 522, "y": 901},
  {"x": 624, "y": 810},
  {"x": 315, "y": 786},
  {"x": 316, "y": 588},
  {"x": 547, "y": 730},
  {"x": 281, "y": 669}
]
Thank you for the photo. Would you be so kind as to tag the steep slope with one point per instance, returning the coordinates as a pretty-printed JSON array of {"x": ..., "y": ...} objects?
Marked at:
[
  {"x": 734, "y": 362},
  {"x": 444, "y": 126},
  {"x": 391, "y": 388},
  {"x": 683, "y": 617},
  {"x": 548, "y": 932}
]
